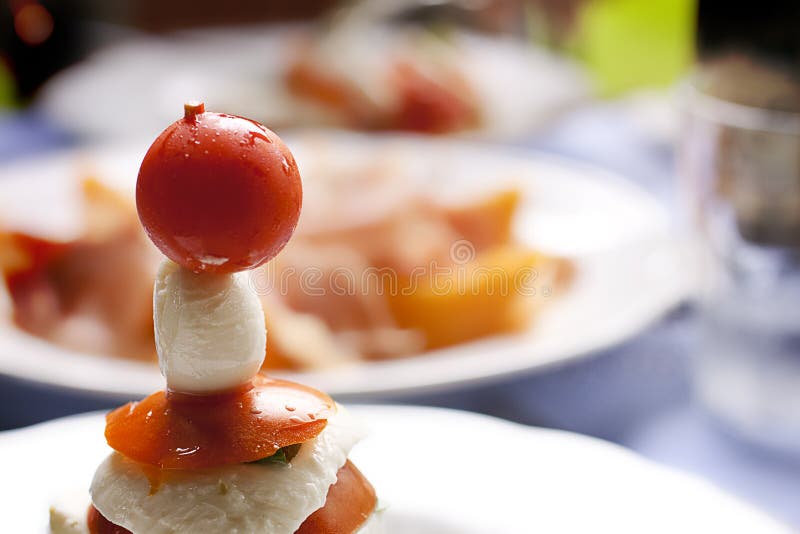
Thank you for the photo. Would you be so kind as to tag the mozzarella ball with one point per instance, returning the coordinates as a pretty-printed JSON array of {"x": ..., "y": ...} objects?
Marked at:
[
  {"x": 209, "y": 328},
  {"x": 239, "y": 498}
]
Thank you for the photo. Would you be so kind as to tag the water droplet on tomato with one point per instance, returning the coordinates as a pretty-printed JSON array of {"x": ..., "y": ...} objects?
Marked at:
[
  {"x": 187, "y": 451},
  {"x": 290, "y": 408}
]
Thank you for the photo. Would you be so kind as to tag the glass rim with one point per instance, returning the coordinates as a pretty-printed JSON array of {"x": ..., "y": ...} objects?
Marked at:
[{"x": 728, "y": 113}]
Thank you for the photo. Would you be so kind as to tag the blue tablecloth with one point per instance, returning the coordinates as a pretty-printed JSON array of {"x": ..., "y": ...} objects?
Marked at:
[{"x": 637, "y": 394}]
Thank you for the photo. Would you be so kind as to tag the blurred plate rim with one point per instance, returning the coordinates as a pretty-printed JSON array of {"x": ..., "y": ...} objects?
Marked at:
[
  {"x": 560, "y": 471},
  {"x": 647, "y": 295},
  {"x": 180, "y": 62}
]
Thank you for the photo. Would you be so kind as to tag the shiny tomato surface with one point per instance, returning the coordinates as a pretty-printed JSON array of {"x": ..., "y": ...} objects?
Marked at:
[
  {"x": 218, "y": 193},
  {"x": 171, "y": 430}
]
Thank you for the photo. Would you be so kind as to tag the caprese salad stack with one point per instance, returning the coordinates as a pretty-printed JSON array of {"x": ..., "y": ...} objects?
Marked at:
[{"x": 222, "y": 449}]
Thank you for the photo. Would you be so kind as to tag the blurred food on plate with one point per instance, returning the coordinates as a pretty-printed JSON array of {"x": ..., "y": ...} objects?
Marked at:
[
  {"x": 347, "y": 74},
  {"x": 411, "y": 273},
  {"x": 411, "y": 84}
]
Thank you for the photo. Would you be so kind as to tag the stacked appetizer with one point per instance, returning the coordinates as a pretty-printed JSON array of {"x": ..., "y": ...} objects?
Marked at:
[{"x": 222, "y": 449}]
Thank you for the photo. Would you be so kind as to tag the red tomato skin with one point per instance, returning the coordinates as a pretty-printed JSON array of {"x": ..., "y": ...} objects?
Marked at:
[
  {"x": 170, "y": 430},
  {"x": 218, "y": 193}
]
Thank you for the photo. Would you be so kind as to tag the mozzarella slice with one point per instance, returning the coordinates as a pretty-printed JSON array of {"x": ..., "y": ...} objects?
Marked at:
[
  {"x": 209, "y": 328},
  {"x": 243, "y": 498},
  {"x": 66, "y": 520}
]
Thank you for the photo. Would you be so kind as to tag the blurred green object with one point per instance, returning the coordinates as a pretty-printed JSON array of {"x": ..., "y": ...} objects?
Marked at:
[
  {"x": 628, "y": 44},
  {"x": 6, "y": 87}
]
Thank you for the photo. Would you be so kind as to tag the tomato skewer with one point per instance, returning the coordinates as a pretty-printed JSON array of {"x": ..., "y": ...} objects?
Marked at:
[{"x": 218, "y": 193}]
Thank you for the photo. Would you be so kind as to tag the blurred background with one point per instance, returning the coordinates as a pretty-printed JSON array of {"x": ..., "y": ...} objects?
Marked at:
[{"x": 692, "y": 103}]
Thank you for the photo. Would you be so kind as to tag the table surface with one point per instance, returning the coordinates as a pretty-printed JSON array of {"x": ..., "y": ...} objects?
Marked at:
[{"x": 637, "y": 394}]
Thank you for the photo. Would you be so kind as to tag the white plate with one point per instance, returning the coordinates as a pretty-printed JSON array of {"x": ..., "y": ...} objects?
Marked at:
[
  {"x": 134, "y": 88},
  {"x": 629, "y": 267},
  {"x": 440, "y": 472}
]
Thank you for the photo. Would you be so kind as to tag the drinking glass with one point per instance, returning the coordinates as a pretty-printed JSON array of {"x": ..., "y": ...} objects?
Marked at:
[{"x": 739, "y": 168}]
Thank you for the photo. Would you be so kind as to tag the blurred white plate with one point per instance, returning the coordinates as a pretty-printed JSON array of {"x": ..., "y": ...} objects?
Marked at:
[
  {"x": 133, "y": 88},
  {"x": 439, "y": 472},
  {"x": 629, "y": 267}
]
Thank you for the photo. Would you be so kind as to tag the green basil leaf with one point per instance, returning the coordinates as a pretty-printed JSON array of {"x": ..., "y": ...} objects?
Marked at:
[{"x": 282, "y": 456}]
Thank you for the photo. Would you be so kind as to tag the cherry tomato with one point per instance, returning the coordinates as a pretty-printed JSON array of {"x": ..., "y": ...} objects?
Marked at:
[
  {"x": 218, "y": 193},
  {"x": 171, "y": 430}
]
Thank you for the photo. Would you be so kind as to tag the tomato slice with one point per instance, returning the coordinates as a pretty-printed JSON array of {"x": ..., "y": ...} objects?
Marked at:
[
  {"x": 171, "y": 430},
  {"x": 350, "y": 502},
  {"x": 98, "y": 524}
]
